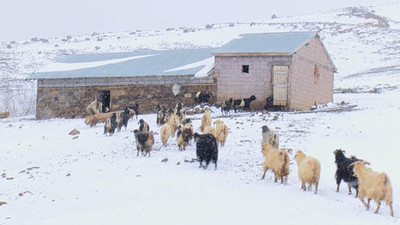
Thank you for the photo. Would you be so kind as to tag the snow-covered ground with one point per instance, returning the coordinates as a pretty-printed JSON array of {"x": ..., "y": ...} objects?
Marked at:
[{"x": 50, "y": 177}]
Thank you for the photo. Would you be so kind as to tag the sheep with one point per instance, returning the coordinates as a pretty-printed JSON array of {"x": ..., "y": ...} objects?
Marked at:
[
  {"x": 144, "y": 141},
  {"x": 184, "y": 136},
  {"x": 165, "y": 134},
  {"x": 221, "y": 132},
  {"x": 344, "y": 170},
  {"x": 143, "y": 125},
  {"x": 309, "y": 170},
  {"x": 206, "y": 119},
  {"x": 276, "y": 160},
  {"x": 373, "y": 185},
  {"x": 206, "y": 149},
  {"x": 202, "y": 97},
  {"x": 110, "y": 124},
  {"x": 269, "y": 136},
  {"x": 243, "y": 103},
  {"x": 226, "y": 106}
]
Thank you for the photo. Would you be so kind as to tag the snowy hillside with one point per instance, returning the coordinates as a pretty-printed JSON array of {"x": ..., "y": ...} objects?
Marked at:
[
  {"x": 50, "y": 177},
  {"x": 362, "y": 42}
]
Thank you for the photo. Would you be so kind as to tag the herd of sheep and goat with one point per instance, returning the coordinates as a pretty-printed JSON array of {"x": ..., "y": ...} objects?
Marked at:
[{"x": 353, "y": 171}]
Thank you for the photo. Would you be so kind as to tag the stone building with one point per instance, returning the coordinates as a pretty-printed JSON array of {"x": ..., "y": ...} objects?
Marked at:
[
  {"x": 122, "y": 79},
  {"x": 293, "y": 70}
]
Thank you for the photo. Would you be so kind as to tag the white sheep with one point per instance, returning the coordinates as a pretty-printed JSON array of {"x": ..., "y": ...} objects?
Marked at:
[
  {"x": 206, "y": 119},
  {"x": 309, "y": 170},
  {"x": 221, "y": 132},
  {"x": 165, "y": 133},
  {"x": 276, "y": 160},
  {"x": 373, "y": 185}
]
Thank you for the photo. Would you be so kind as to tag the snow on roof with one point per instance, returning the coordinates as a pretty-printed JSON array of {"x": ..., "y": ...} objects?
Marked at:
[
  {"x": 197, "y": 62},
  {"x": 281, "y": 43},
  {"x": 145, "y": 63}
]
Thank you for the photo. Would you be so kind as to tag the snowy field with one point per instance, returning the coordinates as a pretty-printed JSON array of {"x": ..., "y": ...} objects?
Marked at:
[{"x": 50, "y": 177}]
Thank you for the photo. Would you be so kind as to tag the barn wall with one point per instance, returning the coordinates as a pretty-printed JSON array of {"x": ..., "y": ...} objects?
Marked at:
[
  {"x": 70, "y": 101},
  {"x": 233, "y": 83},
  {"x": 304, "y": 90}
]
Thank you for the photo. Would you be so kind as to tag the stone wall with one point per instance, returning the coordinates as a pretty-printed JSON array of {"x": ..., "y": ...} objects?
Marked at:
[{"x": 70, "y": 101}]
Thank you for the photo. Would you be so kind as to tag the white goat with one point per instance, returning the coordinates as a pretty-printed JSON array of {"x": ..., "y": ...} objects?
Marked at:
[
  {"x": 276, "y": 160},
  {"x": 221, "y": 132},
  {"x": 309, "y": 170},
  {"x": 373, "y": 185}
]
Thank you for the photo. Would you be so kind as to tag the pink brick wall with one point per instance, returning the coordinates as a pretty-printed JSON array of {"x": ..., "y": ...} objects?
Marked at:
[
  {"x": 303, "y": 91},
  {"x": 232, "y": 83}
]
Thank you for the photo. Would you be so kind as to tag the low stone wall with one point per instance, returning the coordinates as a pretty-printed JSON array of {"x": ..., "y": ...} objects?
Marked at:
[{"x": 69, "y": 100}]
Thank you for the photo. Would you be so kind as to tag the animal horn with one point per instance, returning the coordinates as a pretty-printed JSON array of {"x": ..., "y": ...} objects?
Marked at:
[{"x": 355, "y": 163}]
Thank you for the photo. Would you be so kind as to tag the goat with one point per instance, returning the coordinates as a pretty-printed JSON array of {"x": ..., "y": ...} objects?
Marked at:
[
  {"x": 243, "y": 103},
  {"x": 173, "y": 122},
  {"x": 309, "y": 170},
  {"x": 165, "y": 133},
  {"x": 276, "y": 160},
  {"x": 184, "y": 136},
  {"x": 124, "y": 118},
  {"x": 209, "y": 130},
  {"x": 373, "y": 185},
  {"x": 202, "y": 97},
  {"x": 206, "y": 149},
  {"x": 160, "y": 115},
  {"x": 144, "y": 141},
  {"x": 269, "y": 136},
  {"x": 206, "y": 119},
  {"x": 226, "y": 106},
  {"x": 110, "y": 124},
  {"x": 143, "y": 125},
  {"x": 344, "y": 170},
  {"x": 221, "y": 132},
  {"x": 133, "y": 110}
]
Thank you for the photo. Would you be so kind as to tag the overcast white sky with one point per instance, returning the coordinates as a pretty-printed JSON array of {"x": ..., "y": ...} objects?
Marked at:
[{"x": 24, "y": 19}]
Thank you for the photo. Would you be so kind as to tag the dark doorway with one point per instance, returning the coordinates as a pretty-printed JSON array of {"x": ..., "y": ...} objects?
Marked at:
[{"x": 104, "y": 97}]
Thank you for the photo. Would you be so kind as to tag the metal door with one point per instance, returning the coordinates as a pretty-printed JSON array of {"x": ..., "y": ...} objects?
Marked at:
[{"x": 280, "y": 85}]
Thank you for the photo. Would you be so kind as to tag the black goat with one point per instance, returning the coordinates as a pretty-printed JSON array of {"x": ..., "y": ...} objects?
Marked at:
[
  {"x": 202, "y": 97},
  {"x": 124, "y": 118},
  {"x": 345, "y": 170},
  {"x": 110, "y": 124},
  {"x": 143, "y": 126},
  {"x": 226, "y": 106},
  {"x": 134, "y": 110},
  {"x": 206, "y": 149},
  {"x": 243, "y": 103}
]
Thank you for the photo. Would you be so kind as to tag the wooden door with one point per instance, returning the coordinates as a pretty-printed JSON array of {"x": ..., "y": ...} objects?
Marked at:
[{"x": 280, "y": 85}]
